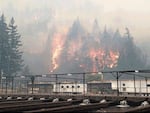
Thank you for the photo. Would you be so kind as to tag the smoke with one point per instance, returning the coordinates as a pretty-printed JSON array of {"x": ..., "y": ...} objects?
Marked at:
[
  {"x": 40, "y": 21},
  {"x": 80, "y": 51}
]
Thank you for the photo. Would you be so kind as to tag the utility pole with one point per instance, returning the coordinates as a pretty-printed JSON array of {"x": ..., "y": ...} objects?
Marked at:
[
  {"x": 12, "y": 88},
  {"x": 134, "y": 86},
  {"x": 32, "y": 81},
  {"x": 84, "y": 84},
  {"x": 146, "y": 86},
  {"x": 6, "y": 84},
  {"x": 56, "y": 83},
  {"x": 118, "y": 75},
  {"x": 117, "y": 83},
  {"x": 1, "y": 78}
]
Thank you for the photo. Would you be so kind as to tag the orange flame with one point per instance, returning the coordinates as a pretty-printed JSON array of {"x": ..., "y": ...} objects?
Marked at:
[
  {"x": 57, "y": 47},
  {"x": 74, "y": 46},
  {"x": 100, "y": 59}
]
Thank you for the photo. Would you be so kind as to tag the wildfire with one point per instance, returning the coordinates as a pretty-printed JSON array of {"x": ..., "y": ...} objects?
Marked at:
[
  {"x": 57, "y": 47},
  {"x": 114, "y": 59},
  {"x": 74, "y": 47},
  {"x": 101, "y": 60},
  {"x": 81, "y": 52},
  {"x": 97, "y": 57}
]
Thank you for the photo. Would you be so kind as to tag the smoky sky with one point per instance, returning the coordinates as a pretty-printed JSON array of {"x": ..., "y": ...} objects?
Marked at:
[
  {"x": 35, "y": 17},
  {"x": 39, "y": 19}
]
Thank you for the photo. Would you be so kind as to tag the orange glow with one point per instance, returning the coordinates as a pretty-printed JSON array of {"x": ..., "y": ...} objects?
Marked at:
[
  {"x": 80, "y": 54},
  {"x": 97, "y": 58},
  {"x": 57, "y": 47},
  {"x": 74, "y": 47},
  {"x": 101, "y": 59},
  {"x": 114, "y": 59}
]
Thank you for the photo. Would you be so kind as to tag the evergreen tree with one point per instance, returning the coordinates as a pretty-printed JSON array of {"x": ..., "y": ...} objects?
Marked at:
[
  {"x": 4, "y": 46},
  {"x": 96, "y": 29},
  {"x": 15, "y": 44},
  {"x": 131, "y": 57}
]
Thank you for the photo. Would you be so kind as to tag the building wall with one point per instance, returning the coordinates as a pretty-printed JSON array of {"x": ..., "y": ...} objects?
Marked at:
[
  {"x": 125, "y": 86},
  {"x": 128, "y": 86},
  {"x": 70, "y": 88},
  {"x": 99, "y": 87},
  {"x": 40, "y": 88}
]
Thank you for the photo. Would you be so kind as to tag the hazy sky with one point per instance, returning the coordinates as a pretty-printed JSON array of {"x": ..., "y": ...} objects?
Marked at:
[{"x": 36, "y": 18}]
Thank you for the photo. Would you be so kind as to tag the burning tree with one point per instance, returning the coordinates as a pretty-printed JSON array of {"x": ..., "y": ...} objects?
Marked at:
[{"x": 79, "y": 51}]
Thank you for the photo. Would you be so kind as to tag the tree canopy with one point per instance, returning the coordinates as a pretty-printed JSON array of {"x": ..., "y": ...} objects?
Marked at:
[{"x": 10, "y": 54}]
